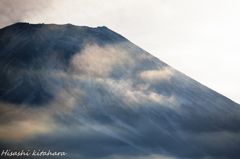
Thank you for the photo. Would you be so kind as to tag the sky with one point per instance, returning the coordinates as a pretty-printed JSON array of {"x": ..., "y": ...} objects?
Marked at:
[{"x": 199, "y": 38}]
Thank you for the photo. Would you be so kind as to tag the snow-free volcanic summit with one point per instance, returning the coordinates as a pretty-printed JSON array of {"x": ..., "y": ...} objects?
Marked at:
[{"x": 93, "y": 94}]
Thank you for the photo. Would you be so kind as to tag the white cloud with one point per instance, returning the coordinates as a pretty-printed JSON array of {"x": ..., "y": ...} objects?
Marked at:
[
  {"x": 24, "y": 123},
  {"x": 139, "y": 95},
  {"x": 95, "y": 61},
  {"x": 157, "y": 75}
]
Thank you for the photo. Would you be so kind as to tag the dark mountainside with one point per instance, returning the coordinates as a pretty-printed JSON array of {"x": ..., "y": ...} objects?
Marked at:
[{"x": 93, "y": 94}]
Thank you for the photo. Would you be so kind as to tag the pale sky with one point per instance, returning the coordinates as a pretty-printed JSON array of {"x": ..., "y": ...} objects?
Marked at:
[{"x": 200, "y": 38}]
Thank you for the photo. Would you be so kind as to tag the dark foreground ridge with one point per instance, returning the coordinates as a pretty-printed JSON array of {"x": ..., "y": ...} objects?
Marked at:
[{"x": 91, "y": 93}]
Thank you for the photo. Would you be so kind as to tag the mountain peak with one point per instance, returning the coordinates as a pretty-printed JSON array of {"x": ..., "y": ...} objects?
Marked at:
[{"x": 105, "y": 97}]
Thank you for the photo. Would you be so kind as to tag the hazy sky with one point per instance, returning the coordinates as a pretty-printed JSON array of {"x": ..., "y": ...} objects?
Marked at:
[{"x": 199, "y": 38}]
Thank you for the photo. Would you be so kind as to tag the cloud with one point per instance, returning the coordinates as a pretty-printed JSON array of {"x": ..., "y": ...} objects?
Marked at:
[
  {"x": 17, "y": 11},
  {"x": 157, "y": 75},
  {"x": 101, "y": 62},
  {"x": 138, "y": 95},
  {"x": 97, "y": 61},
  {"x": 23, "y": 123}
]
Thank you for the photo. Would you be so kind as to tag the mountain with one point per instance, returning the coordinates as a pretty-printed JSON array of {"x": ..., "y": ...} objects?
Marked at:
[{"x": 93, "y": 94}]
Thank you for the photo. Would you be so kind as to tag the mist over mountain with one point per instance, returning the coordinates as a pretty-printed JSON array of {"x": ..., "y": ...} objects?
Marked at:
[{"x": 93, "y": 94}]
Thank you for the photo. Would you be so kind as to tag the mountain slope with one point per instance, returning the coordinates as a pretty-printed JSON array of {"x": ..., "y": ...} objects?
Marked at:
[{"x": 92, "y": 93}]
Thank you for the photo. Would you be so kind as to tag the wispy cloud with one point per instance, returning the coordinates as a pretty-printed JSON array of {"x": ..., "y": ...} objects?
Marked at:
[
  {"x": 157, "y": 75},
  {"x": 23, "y": 123},
  {"x": 98, "y": 61},
  {"x": 17, "y": 11}
]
